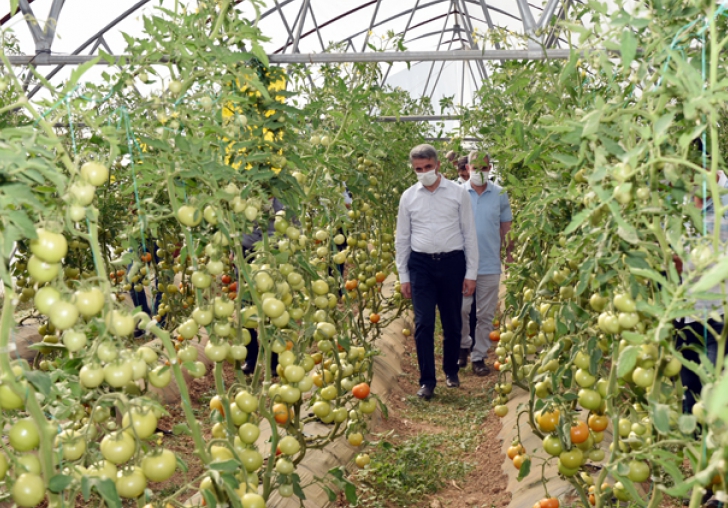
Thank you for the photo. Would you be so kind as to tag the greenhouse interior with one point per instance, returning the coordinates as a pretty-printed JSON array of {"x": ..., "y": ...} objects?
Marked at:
[{"x": 490, "y": 275}]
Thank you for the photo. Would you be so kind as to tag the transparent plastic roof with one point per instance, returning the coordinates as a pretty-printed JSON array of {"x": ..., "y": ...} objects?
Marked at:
[{"x": 325, "y": 25}]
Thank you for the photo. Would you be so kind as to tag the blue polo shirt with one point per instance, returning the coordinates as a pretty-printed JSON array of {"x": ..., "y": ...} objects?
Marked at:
[{"x": 490, "y": 209}]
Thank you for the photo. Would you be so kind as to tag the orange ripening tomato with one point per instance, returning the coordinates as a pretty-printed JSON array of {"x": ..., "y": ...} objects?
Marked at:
[
  {"x": 494, "y": 335},
  {"x": 280, "y": 413},
  {"x": 549, "y": 502},
  {"x": 515, "y": 450},
  {"x": 351, "y": 285},
  {"x": 216, "y": 405},
  {"x": 598, "y": 423},
  {"x": 374, "y": 318},
  {"x": 497, "y": 365},
  {"x": 361, "y": 391},
  {"x": 380, "y": 276},
  {"x": 579, "y": 432},
  {"x": 518, "y": 460}
]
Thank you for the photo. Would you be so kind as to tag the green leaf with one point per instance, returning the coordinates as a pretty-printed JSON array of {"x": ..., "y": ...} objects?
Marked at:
[
  {"x": 713, "y": 276},
  {"x": 181, "y": 464},
  {"x": 627, "y": 360},
  {"x": 661, "y": 417},
  {"x": 633, "y": 337},
  {"x": 209, "y": 498},
  {"x": 628, "y": 47},
  {"x": 260, "y": 53},
  {"x": 525, "y": 469},
  {"x": 591, "y": 123},
  {"x": 181, "y": 428},
  {"x": 107, "y": 489},
  {"x": 350, "y": 492},
  {"x": 297, "y": 487},
  {"x": 577, "y": 221},
  {"x": 662, "y": 124},
  {"x": 330, "y": 493},
  {"x": 40, "y": 380},
  {"x": 718, "y": 399},
  {"x": 227, "y": 465},
  {"x": 59, "y": 483},
  {"x": 686, "y": 424}
]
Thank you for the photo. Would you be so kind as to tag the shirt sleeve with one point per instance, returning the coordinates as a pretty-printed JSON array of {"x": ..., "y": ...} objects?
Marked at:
[
  {"x": 403, "y": 239},
  {"x": 505, "y": 208},
  {"x": 470, "y": 236}
]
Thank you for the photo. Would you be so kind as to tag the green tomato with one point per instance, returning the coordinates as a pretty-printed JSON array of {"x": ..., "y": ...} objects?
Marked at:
[
  {"x": 160, "y": 376},
  {"x": 24, "y": 436},
  {"x": 49, "y": 247},
  {"x": 118, "y": 373},
  {"x": 130, "y": 483},
  {"x": 552, "y": 445},
  {"x": 42, "y": 271},
  {"x": 8, "y": 399},
  {"x": 189, "y": 216},
  {"x": 571, "y": 459},
  {"x": 159, "y": 465},
  {"x": 251, "y": 459},
  {"x": 74, "y": 341},
  {"x": 63, "y": 315},
  {"x": 95, "y": 173},
  {"x": 143, "y": 421},
  {"x": 28, "y": 490},
  {"x": 3, "y": 466},
  {"x": 45, "y": 298},
  {"x": 289, "y": 445},
  {"x": 118, "y": 447},
  {"x": 589, "y": 399},
  {"x": 216, "y": 352},
  {"x": 249, "y": 433},
  {"x": 91, "y": 375}
]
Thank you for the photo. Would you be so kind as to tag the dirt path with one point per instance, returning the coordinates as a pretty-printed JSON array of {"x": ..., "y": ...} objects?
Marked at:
[{"x": 441, "y": 453}]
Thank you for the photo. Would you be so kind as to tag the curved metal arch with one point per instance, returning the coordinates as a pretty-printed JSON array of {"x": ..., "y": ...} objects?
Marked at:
[
  {"x": 379, "y": 23},
  {"x": 10, "y": 16}
]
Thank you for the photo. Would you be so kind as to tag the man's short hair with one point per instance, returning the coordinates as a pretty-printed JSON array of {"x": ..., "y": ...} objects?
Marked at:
[
  {"x": 477, "y": 155},
  {"x": 424, "y": 151},
  {"x": 462, "y": 162}
]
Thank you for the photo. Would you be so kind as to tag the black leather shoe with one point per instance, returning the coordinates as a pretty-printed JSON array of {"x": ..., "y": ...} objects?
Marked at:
[
  {"x": 463, "y": 359},
  {"x": 480, "y": 368},
  {"x": 452, "y": 381},
  {"x": 425, "y": 392}
]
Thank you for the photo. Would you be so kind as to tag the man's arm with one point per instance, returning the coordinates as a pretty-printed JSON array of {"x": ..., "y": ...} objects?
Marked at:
[
  {"x": 470, "y": 243},
  {"x": 506, "y": 242},
  {"x": 403, "y": 246},
  {"x": 506, "y": 221}
]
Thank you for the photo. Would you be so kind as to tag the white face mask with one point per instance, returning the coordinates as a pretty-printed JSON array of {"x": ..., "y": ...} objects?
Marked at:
[
  {"x": 427, "y": 178},
  {"x": 461, "y": 180},
  {"x": 479, "y": 178}
]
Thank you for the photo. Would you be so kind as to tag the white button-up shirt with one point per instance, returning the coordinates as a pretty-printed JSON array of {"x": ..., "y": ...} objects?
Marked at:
[{"x": 436, "y": 222}]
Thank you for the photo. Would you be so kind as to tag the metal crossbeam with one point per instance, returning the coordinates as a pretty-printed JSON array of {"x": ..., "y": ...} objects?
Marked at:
[
  {"x": 416, "y": 118},
  {"x": 321, "y": 58}
]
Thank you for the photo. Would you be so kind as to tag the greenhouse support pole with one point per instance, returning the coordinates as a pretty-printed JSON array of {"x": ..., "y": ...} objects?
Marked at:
[
  {"x": 301, "y": 21},
  {"x": 404, "y": 34}
]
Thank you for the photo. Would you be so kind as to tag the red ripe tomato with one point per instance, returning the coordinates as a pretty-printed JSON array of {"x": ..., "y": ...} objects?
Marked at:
[
  {"x": 225, "y": 279},
  {"x": 361, "y": 391},
  {"x": 233, "y": 288}
]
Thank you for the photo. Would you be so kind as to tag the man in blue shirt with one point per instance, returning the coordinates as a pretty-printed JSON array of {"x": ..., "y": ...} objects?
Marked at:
[{"x": 493, "y": 219}]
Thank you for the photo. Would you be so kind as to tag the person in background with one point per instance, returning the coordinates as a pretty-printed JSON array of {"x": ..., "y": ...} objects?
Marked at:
[
  {"x": 493, "y": 219},
  {"x": 463, "y": 173},
  {"x": 697, "y": 333},
  {"x": 469, "y": 312},
  {"x": 437, "y": 258},
  {"x": 249, "y": 242}
]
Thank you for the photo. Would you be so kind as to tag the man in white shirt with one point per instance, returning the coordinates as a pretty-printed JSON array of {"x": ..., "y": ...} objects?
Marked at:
[{"x": 437, "y": 260}]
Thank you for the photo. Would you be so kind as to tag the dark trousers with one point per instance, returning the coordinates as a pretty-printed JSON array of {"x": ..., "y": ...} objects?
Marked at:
[
  {"x": 437, "y": 282},
  {"x": 691, "y": 342},
  {"x": 254, "y": 350}
]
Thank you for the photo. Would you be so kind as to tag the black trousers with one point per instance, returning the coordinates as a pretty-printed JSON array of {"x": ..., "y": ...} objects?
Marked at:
[
  {"x": 437, "y": 282},
  {"x": 691, "y": 342}
]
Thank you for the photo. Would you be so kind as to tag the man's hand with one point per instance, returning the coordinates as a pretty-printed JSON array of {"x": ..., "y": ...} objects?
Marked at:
[
  {"x": 406, "y": 289},
  {"x": 468, "y": 287}
]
